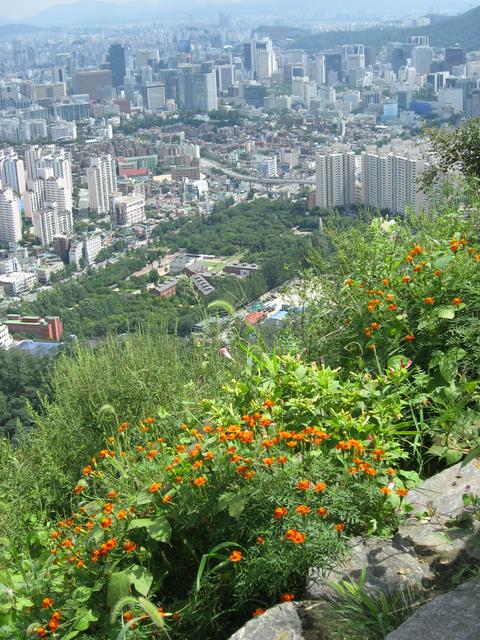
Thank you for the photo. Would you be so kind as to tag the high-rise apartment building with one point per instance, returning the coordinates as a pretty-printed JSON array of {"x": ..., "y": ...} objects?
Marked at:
[
  {"x": 10, "y": 217},
  {"x": 49, "y": 179},
  {"x": 335, "y": 179},
  {"x": 12, "y": 171},
  {"x": 117, "y": 61},
  {"x": 102, "y": 183},
  {"x": 50, "y": 222}
]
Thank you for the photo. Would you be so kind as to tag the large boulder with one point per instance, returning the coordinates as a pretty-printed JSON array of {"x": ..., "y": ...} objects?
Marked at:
[
  {"x": 278, "y": 623},
  {"x": 454, "y": 615},
  {"x": 439, "y": 530}
]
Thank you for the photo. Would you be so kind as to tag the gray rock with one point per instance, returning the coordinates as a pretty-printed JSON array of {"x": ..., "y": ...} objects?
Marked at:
[
  {"x": 388, "y": 565},
  {"x": 436, "y": 504},
  {"x": 278, "y": 623},
  {"x": 454, "y": 615}
]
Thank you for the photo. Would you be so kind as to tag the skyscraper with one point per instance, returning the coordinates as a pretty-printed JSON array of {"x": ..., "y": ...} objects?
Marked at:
[
  {"x": 50, "y": 222},
  {"x": 335, "y": 179},
  {"x": 12, "y": 171},
  {"x": 422, "y": 58},
  {"x": 117, "y": 62},
  {"x": 10, "y": 218},
  {"x": 102, "y": 183}
]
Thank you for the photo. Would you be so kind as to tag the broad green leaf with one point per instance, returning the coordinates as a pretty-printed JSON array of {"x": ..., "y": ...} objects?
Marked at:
[
  {"x": 452, "y": 456},
  {"x": 160, "y": 529},
  {"x": 138, "y": 523},
  {"x": 234, "y": 502},
  {"x": 141, "y": 579},
  {"x": 446, "y": 312},
  {"x": 84, "y": 619},
  {"x": 118, "y": 587}
]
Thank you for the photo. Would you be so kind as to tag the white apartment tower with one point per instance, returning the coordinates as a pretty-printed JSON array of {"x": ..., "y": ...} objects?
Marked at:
[
  {"x": 10, "y": 218},
  {"x": 335, "y": 179},
  {"x": 50, "y": 222},
  {"x": 102, "y": 183},
  {"x": 12, "y": 171},
  {"x": 49, "y": 174}
]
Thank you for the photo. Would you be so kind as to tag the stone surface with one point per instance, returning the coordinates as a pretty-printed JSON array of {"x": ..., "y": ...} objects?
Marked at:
[
  {"x": 423, "y": 546},
  {"x": 278, "y": 623},
  {"x": 389, "y": 565},
  {"x": 454, "y": 615},
  {"x": 439, "y": 500}
]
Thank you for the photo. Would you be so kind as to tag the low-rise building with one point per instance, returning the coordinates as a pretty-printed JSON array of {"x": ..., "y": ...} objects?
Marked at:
[
  {"x": 18, "y": 282},
  {"x": 6, "y": 339},
  {"x": 49, "y": 328}
]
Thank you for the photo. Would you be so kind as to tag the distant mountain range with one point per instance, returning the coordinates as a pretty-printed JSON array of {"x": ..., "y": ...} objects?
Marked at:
[{"x": 463, "y": 29}]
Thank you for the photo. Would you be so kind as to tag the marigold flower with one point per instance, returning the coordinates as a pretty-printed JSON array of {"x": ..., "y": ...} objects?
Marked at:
[
  {"x": 78, "y": 489},
  {"x": 406, "y": 279},
  {"x": 385, "y": 490},
  {"x": 279, "y": 512},
  {"x": 53, "y": 625},
  {"x": 291, "y": 444},
  {"x": 258, "y": 612},
  {"x": 303, "y": 485},
  {"x": 67, "y": 543},
  {"x": 127, "y": 616},
  {"x": 392, "y": 307},
  {"x": 303, "y": 509},
  {"x": 260, "y": 540},
  {"x": 390, "y": 471},
  {"x": 110, "y": 544},
  {"x": 342, "y": 446},
  {"x": 429, "y": 300},
  {"x": 454, "y": 245},
  {"x": 47, "y": 603},
  {"x": 401, "y": 492},
  {"x": 208, "y": 455},
  {"x": 409, "y": 337},
  {"x": 409, "y": 259},
  {"x": 152, "y": 454},
  {"x": 339, "y": 527},
  {"x": 295, "y": 536},
  {"x": 41, "y": 632},
  {"x": 269, "y": 404},
  {"x": 348, "y": 282},
  {"x": 353, "y": 470},
  {"x": 322, "y": 511},
  {"x": 106, "y": 522},
  {"x": 107, "y": 508},
  {"x": 87, "y": 470},
  {"x": 287, "y": 597},
  {"x": 235, "y": 556},
  {"x": 112, "y": 494},
  {"x": 198, "y": 482},
  {"x": 249, "y": 475},
  {"x": 167, "y": 499},
  {"x": 385, "y": 282},
  {"x": 154, "y": 487},
  {"x": 320, "y": 486},
  {"x": 457, "y": 301},
  {"x": 55, "y": 534},
  {"x": 268, "y": 461},
  {"x": 375, "y": 326},
  {"x": 129, "y": 546},
  {"x": 197, "y": 464},
  {"x": 367, "y": 331},
  {"x": 80, "y": 564}
]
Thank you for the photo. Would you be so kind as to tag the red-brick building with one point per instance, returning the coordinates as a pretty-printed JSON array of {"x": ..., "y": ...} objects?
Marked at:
[{"x": 50, "y": 328}]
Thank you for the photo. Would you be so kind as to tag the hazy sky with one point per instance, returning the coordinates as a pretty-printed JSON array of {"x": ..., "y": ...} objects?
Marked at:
[{"x": 21, "y": 9}]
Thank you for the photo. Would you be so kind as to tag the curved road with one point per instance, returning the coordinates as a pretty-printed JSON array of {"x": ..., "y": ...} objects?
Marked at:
[{"x": 211, "y": 164}]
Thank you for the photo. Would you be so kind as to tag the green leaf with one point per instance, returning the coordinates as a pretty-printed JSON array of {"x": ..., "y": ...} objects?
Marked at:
[
  {"x": 141, "y": 579},
  {"x": 452, "y": 456},
  {"x": 474, "y": 453},
  {"x": 446, "y": 312},
  {"x": 22, "y": 603},
  {"x": 118, "y": 587},
  {"x": 138, "y": 523},
  {"x": 84, "y": 619},
  {"x": 160, "y": 529},
  {"x": 234, "y": 502}
]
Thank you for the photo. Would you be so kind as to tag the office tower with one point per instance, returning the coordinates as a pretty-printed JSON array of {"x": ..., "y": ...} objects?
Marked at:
[
  {"x": 333, "y": 65},
  {"x": 225, "y": 76},
  {"x": 353, "y": 57},
  {"x": 10, "y": 218},
  {"x": 455, "y": 56},
  {"x": 117, "y": 61},
  {"x": 335, "y": 179},
  {"x": 50, "y": 222},
  {"x": 248, "y": 57},
  {"x": 155, "y": 97},
  {"x": 12, "y": 171},
  {"x": 197, "y": 90},
  {"x": 259, "y": 58},
  {"x": 316, "y": 69},
  {"x": 102, "y": 183},
  {"x": 422, "y": 58},
  {"x": 398, "y": 57},
  {"x": 97, "y": 83}
]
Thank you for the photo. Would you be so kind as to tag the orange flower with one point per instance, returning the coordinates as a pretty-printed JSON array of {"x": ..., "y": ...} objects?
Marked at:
[
  {"x": 385, "y": 282},
  {"x": 47, "y": 602},
  {"x": 281, "y": 459},
  {"x": 320, "y": 486},
  {"x": 302, "y": 509},
  {"x": 367, "y": 331},
  {"x": 112, "y": 494},
  {"x": 287, "y": 597},
  {"x": 41, "y": 632},
  {"x": 429, "y": 300},
  {"x": 87, "y": 470},
  {"x": 129, "y": 546},
  {"x": 249, "y": 475},
  {"x": 437, "y": 273},
  {"x": 149, "y": 420},
  {"x": 208, "y": 455},
  {"x": 392, "y": 307},
  {"x": 322, "y": 511},
  {"x": 339, "y": 527},
  {"x": 235, "y": 556},
  {"x": 417, "y": 250},
  {"x": 295, "y": 536},
  {"x": 55, "y": 534},
  {"x": 375, "y": 326},
  {"x": 454, "y": 245},
  {"x": 152, "y": 454},
  {"x": 385, "y": 490},
  {"x": 409, "y": 337},
  {"x": 406, "y": 279},
  {"x": 268, "y": 461},
  {"x": 303, "y": 485},
  {"x": 127, "y": 616},
  {"x": 197, "y": 464},
  {"x": 279, "y": 512},
  {"x": 78, "y": 489},
  {"x": 258, "y": 612},
  {"x": 167, "y": 499},
  {"x": 401, "y": 492},
  {"x": 348, "y": 282},
  {"x": 198, "y": 482},
  {"x": 106, "y": 522},
  {"x": 269, "y": 404},
  {"x": 457, "y": 301},
  {"x": 409, "y": 259},
  {"x": 390, "y": 471},
  {"x": 122, "y": 514},
  {"x": 155, "y": 487},
  {"x": 108, "y": 507},
  {"x": 260, "y": 540}
]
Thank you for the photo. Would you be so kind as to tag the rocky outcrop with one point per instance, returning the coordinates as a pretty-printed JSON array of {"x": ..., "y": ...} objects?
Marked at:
[
  {"x": 439, "y": 531},
  {"x": 278, "y": 623},
  {"x": 454, "y": 615}
]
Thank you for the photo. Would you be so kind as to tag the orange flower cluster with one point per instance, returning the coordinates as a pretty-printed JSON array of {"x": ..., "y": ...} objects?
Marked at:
[{"x": 295, "y": 536}]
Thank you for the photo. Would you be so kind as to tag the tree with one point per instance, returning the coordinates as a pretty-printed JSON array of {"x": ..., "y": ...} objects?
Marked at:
[{"x": 457, "y": 150}]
